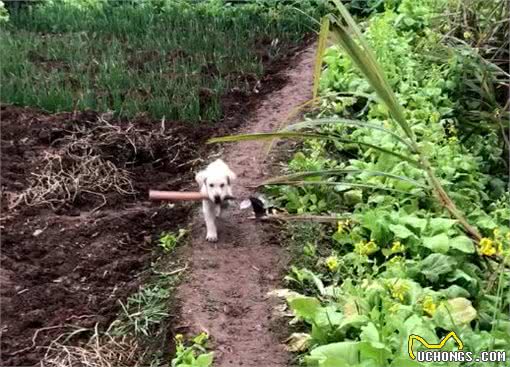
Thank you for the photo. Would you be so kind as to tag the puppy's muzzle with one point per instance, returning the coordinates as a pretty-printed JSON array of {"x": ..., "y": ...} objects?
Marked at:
[{"x": 217, "y": 199}]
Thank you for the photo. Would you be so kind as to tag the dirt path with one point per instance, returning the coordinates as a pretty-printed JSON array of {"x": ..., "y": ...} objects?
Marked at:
[{"x": 225, "y": 292}]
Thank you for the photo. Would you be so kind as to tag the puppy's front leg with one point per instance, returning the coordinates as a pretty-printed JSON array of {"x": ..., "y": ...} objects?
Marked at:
[{"x": 210, "y": 220}]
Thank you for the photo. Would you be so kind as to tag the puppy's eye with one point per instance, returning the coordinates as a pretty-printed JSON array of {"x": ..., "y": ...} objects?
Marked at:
[
  {"x": 211, "y": 185},
  {"x": 222, "y": 185}
]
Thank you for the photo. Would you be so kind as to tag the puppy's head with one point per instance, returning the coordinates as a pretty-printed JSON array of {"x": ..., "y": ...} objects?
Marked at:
[{"x": 216, "y": 181}]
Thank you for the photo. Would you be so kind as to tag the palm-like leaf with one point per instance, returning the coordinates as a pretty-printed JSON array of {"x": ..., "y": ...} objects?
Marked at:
[
  {"x": 347, "y": 186},
  {"x": 347, "y": 33},
  {"x": 303, "y": 135},
  {"x": 344, "y": 30},
  {"x": 335, "y": 172},
  {"x": 321, "y": 47},
  {"x": 332, "y": 121}
]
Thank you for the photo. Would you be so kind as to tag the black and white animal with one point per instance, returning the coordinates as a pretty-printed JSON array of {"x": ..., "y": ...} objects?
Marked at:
[{"x": 215, "y": 182}]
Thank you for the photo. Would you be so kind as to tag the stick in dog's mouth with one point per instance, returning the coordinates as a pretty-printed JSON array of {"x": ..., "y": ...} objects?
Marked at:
[{"x": 257, "y": 204}]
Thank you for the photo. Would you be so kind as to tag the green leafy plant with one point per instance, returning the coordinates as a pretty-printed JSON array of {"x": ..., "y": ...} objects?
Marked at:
[
  {"x": 4, "y": 14},
  {"x": 347, "y": 34},
  {"x": 193, "y": 355},
  {"x": 168, "y": 240},
  {"x": 402, "y": 264}
]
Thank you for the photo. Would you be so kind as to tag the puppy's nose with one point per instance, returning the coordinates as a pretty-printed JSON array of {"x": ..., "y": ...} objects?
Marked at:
[{"x": 217, "y": 199}]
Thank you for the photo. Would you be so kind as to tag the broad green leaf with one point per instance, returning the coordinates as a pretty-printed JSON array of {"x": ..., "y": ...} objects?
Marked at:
[
  {"x": 356, "y": 321},
  {"x": 370, "y": 334},
  {"x": 401, "y": 231},
  {"x": 377, "y": 222},
  {"x": 332, "y": 291},
  {"x": 454, "y": 291},
  {"x": 353, "y": 197},
  {"x": 416, "y": 325},
  {"x": 344, "y": 353},
  {"x": 334, "y": 362},
  {"x": 439, "y": 243},
  {"x": 372, "y": 356},
  {"x": 406, "y": 362},
  {"x": 441, "y": 225},
  {"x": 454, "y": 313},
  {"x": 463, "y": 243},
  {"x": 415, "y": 222},
  {"x": 436, "y": 266},
  {"x": 461, "y": 275},
  {"x": 305, "y": 307},
  {"x": 351, "y": 307},
  {"x": 328, "y": 316},
  {"x": 204, "y": 360}
]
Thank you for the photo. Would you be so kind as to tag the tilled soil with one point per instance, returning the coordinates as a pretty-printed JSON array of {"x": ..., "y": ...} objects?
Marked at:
[
  {"x": 70, "y": 255},
  {"x": 226, "y": 292},
  {"x": 68, "y": 262}
]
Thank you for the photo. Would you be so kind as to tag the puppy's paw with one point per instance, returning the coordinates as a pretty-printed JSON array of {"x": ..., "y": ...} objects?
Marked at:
[{"x": 211, "y": 237}]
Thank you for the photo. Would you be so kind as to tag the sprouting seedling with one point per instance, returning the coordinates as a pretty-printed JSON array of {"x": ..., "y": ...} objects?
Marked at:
[{"x": 168, "y": 240}]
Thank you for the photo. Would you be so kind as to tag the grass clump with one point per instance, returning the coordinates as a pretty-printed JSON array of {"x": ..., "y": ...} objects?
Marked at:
[{"x": 141, "y": 333}]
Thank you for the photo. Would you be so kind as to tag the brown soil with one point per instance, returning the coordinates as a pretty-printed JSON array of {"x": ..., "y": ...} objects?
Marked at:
[
  {"x": 70, "y": 264},
  {"x": 226, "y": 292}
]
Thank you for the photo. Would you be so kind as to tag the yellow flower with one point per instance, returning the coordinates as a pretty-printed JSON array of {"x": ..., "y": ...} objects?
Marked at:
[
  {"x": 179, "y": 338},
  {"x": 371, "y": 247},
  {"x": 486, "y": 246},
  {"x": 468, "y": 35},
  {"x": 399, "y": 290},
  {"x": 397, "y": 247},
  {"x": 452, "y": 140},
  {"x": 394, "y": 307},
  {"x": 332, "y": 263},
  {"x": 429, "y": 306},
  {"x": 435, "y": 117},
  {"x": 496, "y": 232},
  {"x": 395, "y": 260},
  {"x": 368, "y": 248},
  {"x": 343, "y": 225}
]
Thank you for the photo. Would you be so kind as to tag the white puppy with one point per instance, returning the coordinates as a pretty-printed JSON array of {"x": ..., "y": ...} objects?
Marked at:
[{"x": 215, "y": 181}]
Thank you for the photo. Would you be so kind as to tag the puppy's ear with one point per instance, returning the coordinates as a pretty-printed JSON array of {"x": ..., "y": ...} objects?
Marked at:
[
  {"x": 231, "y": 176},
  {"x": 200, "y": 178}
]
